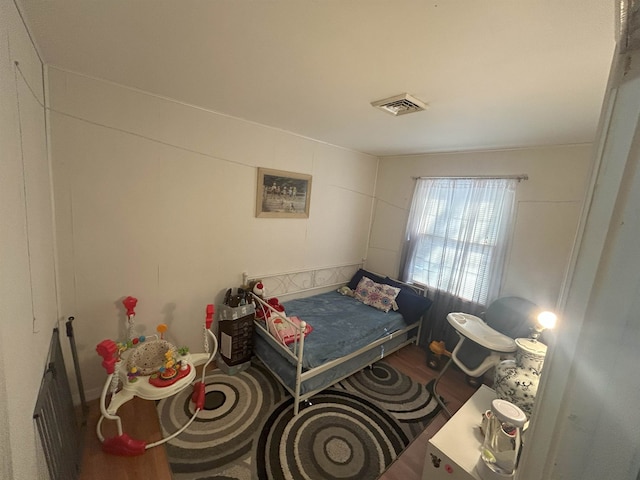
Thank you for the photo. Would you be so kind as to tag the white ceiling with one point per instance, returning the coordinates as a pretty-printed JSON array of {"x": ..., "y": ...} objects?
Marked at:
[{"x": 496, "y": 73}]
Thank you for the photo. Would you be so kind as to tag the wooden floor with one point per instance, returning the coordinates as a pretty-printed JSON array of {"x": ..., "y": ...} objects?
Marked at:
[{"x": 140, "y": 421}]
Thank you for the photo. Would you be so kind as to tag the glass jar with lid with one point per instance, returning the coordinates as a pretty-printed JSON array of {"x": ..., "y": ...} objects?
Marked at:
[{"x": 502, "y": 441}]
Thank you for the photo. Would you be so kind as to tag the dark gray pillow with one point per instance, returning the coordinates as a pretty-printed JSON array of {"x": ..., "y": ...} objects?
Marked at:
[
  {"x": 353, "y": 283},
  {"x": 410, "y": 304}
]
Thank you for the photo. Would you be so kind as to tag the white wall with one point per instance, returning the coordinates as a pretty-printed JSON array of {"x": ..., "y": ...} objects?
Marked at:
[
  {"x": 156, "y": 199},
  {"x": 587, "y": 422},
  {"x": 547, "y": 214},
  {"x": 28, "y": 310}
]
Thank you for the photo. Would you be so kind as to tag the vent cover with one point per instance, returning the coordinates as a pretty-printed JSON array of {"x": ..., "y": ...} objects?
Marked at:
[{"x": 400, "y": 104}]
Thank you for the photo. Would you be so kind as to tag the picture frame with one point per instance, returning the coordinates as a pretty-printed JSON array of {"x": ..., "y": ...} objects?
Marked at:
[{"x": 282, "y": 194}]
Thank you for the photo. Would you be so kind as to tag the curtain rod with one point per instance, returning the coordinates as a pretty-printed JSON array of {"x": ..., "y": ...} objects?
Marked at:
[{"x": 521, "y": 177}]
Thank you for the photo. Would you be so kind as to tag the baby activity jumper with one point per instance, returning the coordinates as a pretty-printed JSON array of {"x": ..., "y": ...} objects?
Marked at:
[{"x": 151, "y": 368}]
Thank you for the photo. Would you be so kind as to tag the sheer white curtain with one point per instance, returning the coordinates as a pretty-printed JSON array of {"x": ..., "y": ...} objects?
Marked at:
[{"x": 456, "y": 241}]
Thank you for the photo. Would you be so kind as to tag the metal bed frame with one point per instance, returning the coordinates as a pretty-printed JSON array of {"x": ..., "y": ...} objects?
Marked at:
[{"x": 306, "y": 281}]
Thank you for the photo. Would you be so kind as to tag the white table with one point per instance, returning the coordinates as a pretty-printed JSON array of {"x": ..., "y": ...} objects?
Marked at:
[{"x": 452, "y": 453}]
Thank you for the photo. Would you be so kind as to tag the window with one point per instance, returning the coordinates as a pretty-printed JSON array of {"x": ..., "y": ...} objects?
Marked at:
[{"x": 456, "y": 235}]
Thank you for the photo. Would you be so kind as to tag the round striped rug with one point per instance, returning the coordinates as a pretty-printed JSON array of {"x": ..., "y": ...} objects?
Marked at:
[
  {"x": 247, "y": 429},
  {"x": 411, "y": 403},
  {"x": 218, "y": 444},
  {"x": 337, "y": 435}
]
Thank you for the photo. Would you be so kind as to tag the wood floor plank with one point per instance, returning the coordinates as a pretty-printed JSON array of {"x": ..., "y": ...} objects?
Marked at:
[{"x": 140, "y": 422}]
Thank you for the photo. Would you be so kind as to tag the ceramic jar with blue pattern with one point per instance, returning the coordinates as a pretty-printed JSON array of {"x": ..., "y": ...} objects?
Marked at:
[{"x": 517, "y": 380}]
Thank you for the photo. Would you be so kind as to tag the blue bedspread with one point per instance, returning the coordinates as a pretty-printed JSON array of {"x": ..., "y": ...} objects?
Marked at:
[{"x": 341, "y": 325}]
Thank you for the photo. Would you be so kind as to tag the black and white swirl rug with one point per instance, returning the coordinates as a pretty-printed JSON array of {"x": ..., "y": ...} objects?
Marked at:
[
  {"x": 411, "y": 403},
  {"x": 247, "y": 429}
]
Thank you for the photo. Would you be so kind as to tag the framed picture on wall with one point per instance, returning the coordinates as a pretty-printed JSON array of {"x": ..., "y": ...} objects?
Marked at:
[{"x": 282, "y": 194}]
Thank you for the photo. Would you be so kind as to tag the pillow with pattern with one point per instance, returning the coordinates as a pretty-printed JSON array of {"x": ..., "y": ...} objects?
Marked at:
[{"x": 377, "y": 295}]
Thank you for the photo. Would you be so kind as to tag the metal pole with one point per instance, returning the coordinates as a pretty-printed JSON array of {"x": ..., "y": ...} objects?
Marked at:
[{"x": 76, "y": 366}]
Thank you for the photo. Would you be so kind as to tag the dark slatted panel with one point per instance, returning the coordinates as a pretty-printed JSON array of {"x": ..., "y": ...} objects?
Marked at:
[{"x": 55, "y": 417}]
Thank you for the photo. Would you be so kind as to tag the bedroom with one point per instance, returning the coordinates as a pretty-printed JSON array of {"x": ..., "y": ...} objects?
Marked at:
[{"x": 155, "y": 198}]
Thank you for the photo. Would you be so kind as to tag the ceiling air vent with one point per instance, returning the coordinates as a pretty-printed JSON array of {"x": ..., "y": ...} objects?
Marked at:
[{"x": 400, "y": 104}]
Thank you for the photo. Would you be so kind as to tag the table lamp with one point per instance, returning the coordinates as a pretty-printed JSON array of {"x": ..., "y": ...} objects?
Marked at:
[{"x": 544, "y": 321}]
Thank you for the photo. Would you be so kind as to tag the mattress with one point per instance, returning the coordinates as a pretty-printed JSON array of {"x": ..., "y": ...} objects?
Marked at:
[{"x": 341, "y": 325}]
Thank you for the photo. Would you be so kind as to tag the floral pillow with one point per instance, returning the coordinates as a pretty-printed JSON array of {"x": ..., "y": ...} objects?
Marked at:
[{"x": 377, "y": 295}]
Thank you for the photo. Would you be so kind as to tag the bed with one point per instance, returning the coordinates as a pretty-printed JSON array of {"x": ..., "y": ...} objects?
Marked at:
[{"x": 347, "y": 334}]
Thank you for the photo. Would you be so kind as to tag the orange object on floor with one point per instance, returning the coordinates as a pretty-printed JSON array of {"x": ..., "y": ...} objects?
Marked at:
[{"x": 438, "y": 348}]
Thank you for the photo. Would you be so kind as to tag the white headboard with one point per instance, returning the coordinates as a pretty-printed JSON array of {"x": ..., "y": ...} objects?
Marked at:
[{"x": 289, "y": 283}]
